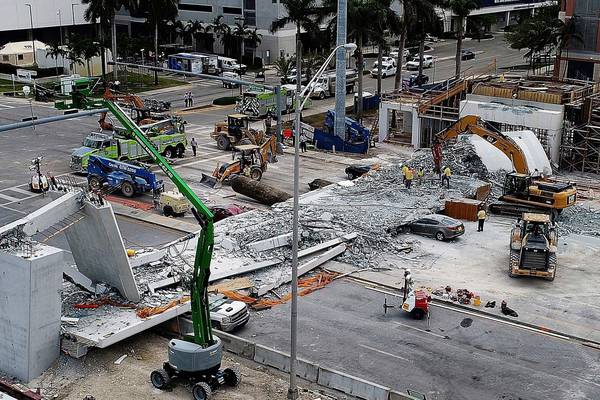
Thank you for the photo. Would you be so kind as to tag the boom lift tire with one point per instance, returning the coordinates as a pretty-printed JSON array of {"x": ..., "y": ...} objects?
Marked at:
[
  {"x": 95, "y": 183},
  {"x": 201, "y": 391},
  {"x": 127, "y": 189},
  {"x": 232, "y": 376},
  {"x": 160, "y": 379}
]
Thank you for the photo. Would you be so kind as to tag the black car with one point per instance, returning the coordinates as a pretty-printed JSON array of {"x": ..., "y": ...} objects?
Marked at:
[
  {"x": 438, "y": 226},
  {"x": 415, "y": 80},
  {"x": 354, "y": 171},
  {"x": 467, "y": 55}
]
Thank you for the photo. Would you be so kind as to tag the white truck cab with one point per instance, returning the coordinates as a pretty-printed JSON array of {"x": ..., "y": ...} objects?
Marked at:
[
  {"x": 226, "y": 314},
  {"x": 230, "y": 64}
]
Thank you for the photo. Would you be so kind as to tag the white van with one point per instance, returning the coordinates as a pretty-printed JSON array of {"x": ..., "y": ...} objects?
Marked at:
[{"x": 230, "y": 64}]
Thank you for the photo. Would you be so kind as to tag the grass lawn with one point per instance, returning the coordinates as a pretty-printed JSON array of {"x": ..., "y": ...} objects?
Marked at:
[
  {"x": 7, "y": 86},
  {"x": 134, "y": 82}
]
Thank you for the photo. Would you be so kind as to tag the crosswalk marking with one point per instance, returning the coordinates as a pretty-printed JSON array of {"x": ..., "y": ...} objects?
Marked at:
[
  {"x": 19, "y": 190},
  {"x": 6, "y": 106},
  {"x": 9, "y": 198}
]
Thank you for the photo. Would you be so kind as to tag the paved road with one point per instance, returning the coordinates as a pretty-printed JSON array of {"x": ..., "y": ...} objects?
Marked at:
[{"x": 343, "y": 326}]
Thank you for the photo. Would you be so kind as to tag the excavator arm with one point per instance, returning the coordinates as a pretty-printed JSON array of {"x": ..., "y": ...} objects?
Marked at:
[
  {"x": 199, "y": 292},
  {"x": 474, "y": 125}
]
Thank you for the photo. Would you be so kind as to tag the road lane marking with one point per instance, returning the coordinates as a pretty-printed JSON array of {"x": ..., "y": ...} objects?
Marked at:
[
  {"x": 420, "y": 330},
  {"x": 19, "y": 190},
  {"x": 9, "y": 198},
  {"x": 12, "y": 209},
  {"x": 383, "y": 352}
]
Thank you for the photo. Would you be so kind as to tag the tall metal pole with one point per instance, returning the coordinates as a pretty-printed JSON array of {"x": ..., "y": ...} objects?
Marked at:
[
  {"x": 340, "y": 72},
  {"x": 293, "y": 389},
  {"x": 61, "y": 36},
  {"x": 73, "y": 12},
  {"x": 32, "y": 38},
  {"x": 278, "y": 100}
]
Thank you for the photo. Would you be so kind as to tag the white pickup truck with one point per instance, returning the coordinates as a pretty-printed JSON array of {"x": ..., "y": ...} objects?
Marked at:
[{"x": 227, "y": 315}]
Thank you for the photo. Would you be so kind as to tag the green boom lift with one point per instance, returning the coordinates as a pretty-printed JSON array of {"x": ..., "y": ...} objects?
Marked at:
[{"x": 197, "y": 356}]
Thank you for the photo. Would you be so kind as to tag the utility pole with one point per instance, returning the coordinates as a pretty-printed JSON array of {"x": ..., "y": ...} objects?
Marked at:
[
  {"x": 340, "y": 72},
  {"x": 32, "y": 38},
  {"x": 73, "y": 11},
  {"x": 61, "y": 37}
]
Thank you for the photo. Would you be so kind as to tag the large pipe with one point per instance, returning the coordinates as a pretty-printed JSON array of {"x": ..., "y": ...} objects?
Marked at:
[
  {"x": 48, "y": 120},
  {"x": 258, "y": 191}
]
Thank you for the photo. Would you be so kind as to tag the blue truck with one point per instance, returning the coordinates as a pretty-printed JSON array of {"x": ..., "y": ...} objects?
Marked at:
[{"x": 117, "y": 175}]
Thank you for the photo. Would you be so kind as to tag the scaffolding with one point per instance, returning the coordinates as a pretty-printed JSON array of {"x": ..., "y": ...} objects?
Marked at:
[{"x": 580, "y": 149}]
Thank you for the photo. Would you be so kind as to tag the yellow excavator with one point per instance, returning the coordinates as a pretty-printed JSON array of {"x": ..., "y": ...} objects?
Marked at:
[
  {"x": 252, "y": 161},
  {"x": 522, "y": 191}
]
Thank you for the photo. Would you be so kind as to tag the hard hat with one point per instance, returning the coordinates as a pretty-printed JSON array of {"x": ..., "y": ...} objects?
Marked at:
[{"x": 407, "y": 272}]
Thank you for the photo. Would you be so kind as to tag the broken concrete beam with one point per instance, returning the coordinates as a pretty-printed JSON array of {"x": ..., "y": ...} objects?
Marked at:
[
  {"x": 326, "y": 245},
  {"x": 303, "y": 269},
  {"x": 99, "y": 252},
  {"x": 78, "y": 278},
  {"x": 271, "y": 243},
  {"x": 228, "y": 244},
  {"x": 146, "y": 257},
  {"x": 259, "y": 191},
  {"x": 154, "y": 286},
  {"x": 244, "y": 269}
]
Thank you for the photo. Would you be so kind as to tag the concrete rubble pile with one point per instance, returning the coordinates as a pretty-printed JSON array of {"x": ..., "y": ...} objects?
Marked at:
[{"x": 579, "y": 219}]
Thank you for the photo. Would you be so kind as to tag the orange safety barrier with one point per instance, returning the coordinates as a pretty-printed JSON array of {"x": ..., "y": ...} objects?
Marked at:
[
  {"x": 309, "y": 285},
  {"x": 150, "y": 311},
  {"x": 139, "y": 205}
]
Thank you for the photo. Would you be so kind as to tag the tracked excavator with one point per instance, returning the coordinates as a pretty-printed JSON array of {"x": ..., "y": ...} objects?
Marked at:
[{"x": 523, "y": 190}]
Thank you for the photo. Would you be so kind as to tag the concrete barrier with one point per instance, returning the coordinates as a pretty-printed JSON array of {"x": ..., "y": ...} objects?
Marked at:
[
  {"x": 236, "y": 345},
  {"x": 394, "y": 395},
  {"x": 280, "y": 360},
  {"x": 352, "y": 385}
]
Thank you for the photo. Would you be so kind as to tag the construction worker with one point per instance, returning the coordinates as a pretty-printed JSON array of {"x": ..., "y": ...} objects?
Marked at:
[
  {"x": 408, "y": 177},
  {"x": 481, "y": 216},
  {"x": 194, "y": 146},
  {"x": 408, "y": 284},
  {"x": 420, "y": 175},
  {"x": 446, "y": 174},
  {"x": 268, "y": 122},
  {"x": 404, "y": 169}
]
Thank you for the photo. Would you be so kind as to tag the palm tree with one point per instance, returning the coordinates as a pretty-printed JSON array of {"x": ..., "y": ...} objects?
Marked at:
[
  {"x": 303, "y": 14},
  {"x": 462, "y": 9},
  {"x": 219, "y": 28},
  {"x": 75, "y": 51},
  {"x": 54, "y": 50},
  {"x": 386, "y": 22},
  {"x": 241, "y": 32},
  {"x": 104, "y": 11},
  {"x": 156, "y": 12},
  {"x": 565, "y": 34},
  {"x": 253, "y": 40},
  {"x": 312, "y": 64},
  {"x": 89, "y": 50},
  {"x": 284, "y": 66}
]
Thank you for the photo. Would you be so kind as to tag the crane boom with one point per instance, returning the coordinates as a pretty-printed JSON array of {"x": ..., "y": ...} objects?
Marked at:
[
  {"x": 473, "y": 124},
  {"x": 199, "y": 287}
]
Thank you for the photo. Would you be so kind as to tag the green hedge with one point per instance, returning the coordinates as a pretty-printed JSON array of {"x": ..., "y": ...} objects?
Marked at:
[{"x": 225, "y": 101}]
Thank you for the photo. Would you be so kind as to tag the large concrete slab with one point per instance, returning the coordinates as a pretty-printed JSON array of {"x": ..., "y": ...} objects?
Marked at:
[
  {"x": 46, "y": 216},
  {"x": 99, "y": 252},
  {"x": 30, "y": 311}
]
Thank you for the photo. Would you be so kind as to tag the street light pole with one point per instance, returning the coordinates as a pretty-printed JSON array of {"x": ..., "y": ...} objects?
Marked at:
[
  {"x": 73, "y": 11},
  {"x": 61, "y": 36},
  {"x": 301, "y": 98},
  {"x": 32, "y": 38},
  {"x": 241, "y": 49}
]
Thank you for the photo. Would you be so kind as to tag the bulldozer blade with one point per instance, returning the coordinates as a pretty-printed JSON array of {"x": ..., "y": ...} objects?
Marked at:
[{"x": 210, "y": 181}]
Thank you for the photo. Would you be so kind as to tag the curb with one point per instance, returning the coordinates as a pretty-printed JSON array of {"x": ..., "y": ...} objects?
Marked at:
[
  {"x": 583, "y": 341},
  {"x": 308, "y": 370}
]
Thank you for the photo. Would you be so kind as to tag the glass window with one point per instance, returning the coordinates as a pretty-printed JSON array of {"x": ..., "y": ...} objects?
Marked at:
[
  {"x": 250, "y": 18},
  {"x": 195, "y": 7},
  {"x": 19, "y": 56},
  {"x": 5, "y": 58},
  {"x": 588, "y": 29},
  {"x": 232, "y": 10},
  {"x": 250, "y": 4}
]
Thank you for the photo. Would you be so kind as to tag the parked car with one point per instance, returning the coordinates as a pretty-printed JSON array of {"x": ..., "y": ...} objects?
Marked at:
[
  {"x": 414, "y": 64},
  {"x": 429, "y": 38},
  {"x": 414, "y": 80},
  {"x": 467, "y": 55},
  {"x": 259, "y": 77},
  {"x": 291, "y": 78},
  {"x": 357, "y": 170},
  {"x": 386, "y": 70},
  {"x": 230, "y": 75},
  {"x": 226, "y": 314},
  {"x": 394, "y": 54},
  {"x": 385, "y": 60},
  {"x": 438, "y": 226}
]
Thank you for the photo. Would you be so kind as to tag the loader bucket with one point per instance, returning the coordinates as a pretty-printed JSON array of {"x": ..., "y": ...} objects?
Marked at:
[{"x": 210, "y": 181}]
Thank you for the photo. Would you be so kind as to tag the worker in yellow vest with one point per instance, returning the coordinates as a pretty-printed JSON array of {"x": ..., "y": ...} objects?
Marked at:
[
  {"x": 446, "y": 174},
  {"x": 404, "y": 169},
  {"x": 481, "y": 217},
  {"x": 408, "y": 177},
  {"x": 420, "y": 175}
]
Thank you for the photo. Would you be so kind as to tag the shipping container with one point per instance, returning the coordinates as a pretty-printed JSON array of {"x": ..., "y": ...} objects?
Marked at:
[{"x": 462, "y": 208}]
